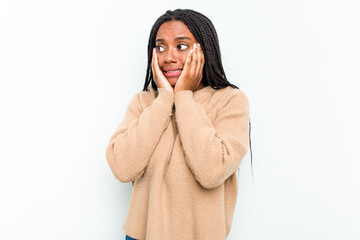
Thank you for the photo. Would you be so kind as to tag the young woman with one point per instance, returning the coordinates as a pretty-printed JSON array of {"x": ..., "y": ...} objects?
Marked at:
[{"x": 182, "y": 138}]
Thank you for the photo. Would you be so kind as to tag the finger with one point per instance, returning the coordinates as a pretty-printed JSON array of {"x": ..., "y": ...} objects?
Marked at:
[
  {"x": 202, "y": 64},
  {"x": 156, "y": 58},
  {"x": 152, "y": 58},
  {"x": 152, "y": 63},
  {"x": 199, "y": 61},
  {"x": 156, "y": 64},
  {"x": 157, "y": 67},
  {"x": 202, "y": 54},
  {"x": 188, "y": 60},
  {"x": 194, "y": 60}
]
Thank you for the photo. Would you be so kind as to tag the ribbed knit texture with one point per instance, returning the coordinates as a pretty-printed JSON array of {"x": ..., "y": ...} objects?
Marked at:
[{"x": 181, "y": 152}]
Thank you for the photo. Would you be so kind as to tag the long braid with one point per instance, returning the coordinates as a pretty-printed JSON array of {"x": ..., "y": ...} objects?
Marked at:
[{"x": 204, "y": 32}]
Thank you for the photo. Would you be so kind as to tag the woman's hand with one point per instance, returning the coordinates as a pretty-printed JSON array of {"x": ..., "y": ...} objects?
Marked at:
[
  {"x": 158, "y": 76},
  {"x": 191, "y": 76}
]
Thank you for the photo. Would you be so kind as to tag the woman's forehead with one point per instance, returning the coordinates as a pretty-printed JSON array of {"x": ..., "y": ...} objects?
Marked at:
[{"x": 173, "y": 29}]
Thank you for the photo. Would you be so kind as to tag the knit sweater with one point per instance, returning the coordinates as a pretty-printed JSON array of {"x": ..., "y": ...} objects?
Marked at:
[{"x": 181, "y": 152}]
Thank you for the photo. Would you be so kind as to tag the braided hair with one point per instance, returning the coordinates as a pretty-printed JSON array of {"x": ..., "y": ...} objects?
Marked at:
[{"x": 204, "y": 32}]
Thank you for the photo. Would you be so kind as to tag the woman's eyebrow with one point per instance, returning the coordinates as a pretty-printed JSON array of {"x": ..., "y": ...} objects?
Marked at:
[
  {"x": 177, "y": 38},
  {"x": 182, "y": 38}
]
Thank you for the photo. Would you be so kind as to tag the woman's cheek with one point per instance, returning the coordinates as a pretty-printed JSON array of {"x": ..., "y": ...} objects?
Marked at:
[
  {"x": 183, "y": 58},
  {"x": 160, "y": 61}
]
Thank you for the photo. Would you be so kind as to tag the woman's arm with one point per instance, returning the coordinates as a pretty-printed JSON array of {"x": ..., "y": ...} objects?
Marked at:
[
  {"x": 133, "y": 142},
  {"x": 213, "y": 151}
]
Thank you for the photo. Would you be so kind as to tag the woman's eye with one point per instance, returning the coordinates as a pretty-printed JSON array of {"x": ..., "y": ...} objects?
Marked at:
[
  {"x": 160, "y": 48},
  {"x": 182, "y": 47}
]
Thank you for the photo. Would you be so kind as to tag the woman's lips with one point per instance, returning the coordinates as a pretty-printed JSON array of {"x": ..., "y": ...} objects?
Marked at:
[{"x": 172, "y": 73}]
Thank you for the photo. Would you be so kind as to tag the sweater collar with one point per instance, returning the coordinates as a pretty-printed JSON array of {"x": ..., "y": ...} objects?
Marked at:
[
  {"x": 196, "y": 93},
  {"x": 202, "y": 91}
]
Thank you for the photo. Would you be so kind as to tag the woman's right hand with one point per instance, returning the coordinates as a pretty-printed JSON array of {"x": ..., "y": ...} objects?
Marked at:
[{"x": 158, "y": 76}]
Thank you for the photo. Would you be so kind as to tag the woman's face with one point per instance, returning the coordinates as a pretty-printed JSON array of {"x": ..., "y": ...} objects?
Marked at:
[{"x": 173, "y": 42}]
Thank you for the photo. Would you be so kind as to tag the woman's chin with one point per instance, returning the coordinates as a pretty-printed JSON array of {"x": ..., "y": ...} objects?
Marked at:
[{"x": 172, "y": 80}]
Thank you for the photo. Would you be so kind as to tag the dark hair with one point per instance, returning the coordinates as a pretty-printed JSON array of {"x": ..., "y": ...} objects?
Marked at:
[{"x": 204, "y": 32}]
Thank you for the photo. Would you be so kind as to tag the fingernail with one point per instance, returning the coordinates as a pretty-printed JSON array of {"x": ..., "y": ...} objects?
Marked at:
[{"x": 194, "y": 45}]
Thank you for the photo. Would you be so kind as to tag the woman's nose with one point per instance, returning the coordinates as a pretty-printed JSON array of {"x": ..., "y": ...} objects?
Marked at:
[{"x": 170, "y": 56}]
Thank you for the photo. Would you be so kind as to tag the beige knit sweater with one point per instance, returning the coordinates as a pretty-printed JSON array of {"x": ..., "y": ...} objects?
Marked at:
[{"x": 181, "y": 152}]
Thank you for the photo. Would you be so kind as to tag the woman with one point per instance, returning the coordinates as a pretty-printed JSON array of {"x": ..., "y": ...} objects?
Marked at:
[{"x": 182, "y": 138}]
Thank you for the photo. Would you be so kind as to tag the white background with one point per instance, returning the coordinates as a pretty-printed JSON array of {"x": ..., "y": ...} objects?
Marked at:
[{"x": 69, "y": 68}]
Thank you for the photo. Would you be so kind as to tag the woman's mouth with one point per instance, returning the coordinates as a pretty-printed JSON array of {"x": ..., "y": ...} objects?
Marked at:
[{"x": 173, "y": 73}]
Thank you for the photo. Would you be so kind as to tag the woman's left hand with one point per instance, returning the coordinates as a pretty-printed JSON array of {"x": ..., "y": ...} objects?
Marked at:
[{"x": 192, "y": 73}]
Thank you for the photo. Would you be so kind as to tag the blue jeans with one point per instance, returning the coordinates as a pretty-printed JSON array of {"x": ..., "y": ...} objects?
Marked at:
[{"x": 130, "y": 238}]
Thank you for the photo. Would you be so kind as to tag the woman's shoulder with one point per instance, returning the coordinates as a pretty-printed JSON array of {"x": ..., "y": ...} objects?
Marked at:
[
  {"x": 229, "y": 92},
  {"x": 223, "y": 95},
  {"x": 145, "y": 97}
]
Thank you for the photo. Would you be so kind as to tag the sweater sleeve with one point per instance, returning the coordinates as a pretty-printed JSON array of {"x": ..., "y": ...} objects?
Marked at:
[
  {"x": 213, "y": 151},
  {"x": 130, "y": 147}
]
